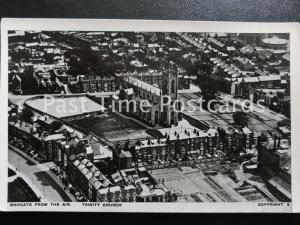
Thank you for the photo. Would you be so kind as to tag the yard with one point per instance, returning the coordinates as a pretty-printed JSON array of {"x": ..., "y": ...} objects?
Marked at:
[{"x": 112, "y": 127}]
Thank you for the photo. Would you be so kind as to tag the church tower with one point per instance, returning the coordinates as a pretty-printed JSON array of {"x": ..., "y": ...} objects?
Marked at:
[{"x": 170, "y": 88}]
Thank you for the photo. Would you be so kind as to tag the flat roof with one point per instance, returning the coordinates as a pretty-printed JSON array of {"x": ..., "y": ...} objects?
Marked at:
[
  {"x": 65, "y": 107},
  {"x": 54, "y": 137},
  {"x": 275, "y": 41}
]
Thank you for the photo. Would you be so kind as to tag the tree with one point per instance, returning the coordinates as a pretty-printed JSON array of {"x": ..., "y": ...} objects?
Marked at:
[
  {"x": 29, "y": 83},
  {"x": 241, "y": 119},
  {"x": 56, "y": 125},
  {"x": 280, "y": 95},
  {"x": 284, "y": 123},
  {"x": 27, "y": 114},
  {"x": 208, "y": 91}
]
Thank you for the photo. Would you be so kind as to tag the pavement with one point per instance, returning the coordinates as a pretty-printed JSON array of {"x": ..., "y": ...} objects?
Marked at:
[{"x": 40, "y": 175}]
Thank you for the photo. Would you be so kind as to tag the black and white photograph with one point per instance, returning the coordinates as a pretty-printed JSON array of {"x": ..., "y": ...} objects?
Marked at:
[{"x": 115, "y": 117}]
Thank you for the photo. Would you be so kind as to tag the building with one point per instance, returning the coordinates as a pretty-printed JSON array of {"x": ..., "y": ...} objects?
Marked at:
[
  {"x": 49, "y": 145},
  {"x": 129, "y": 193},
  {"x": 166, "y": 115},
  {"x": 184, "y": 145},
  {"x": 217, "y": 44},
  {"x": 275, "y": 99},
  {"x": 274, "y": 43},
  {"x": 15, "y": 84},
  {"x": 35, "y": 138},
  {"x": 244, "y": 64},
  {"x": 235, "y": 140},
  {"x": 122, "y": 158},
  {"x": 86, "y": 178},
  {"x": 94, "y": 185},
  {"x": 44, "y": 144},
  {"x": 286, "y": 59},
  {"x": 178, "y": 145},
  {"x": 251, "y": 39},
  {"x": 67, "y": 108},
  {"x": 154, "y": 78},
  {"x": 46, "y": 80},
  {"x": 84, "y": 83},
  {"x": 184, "y": 82},
  {"x": 274, "y": 161},
  {"x": 146, "y": 189},
  {"x": 244, "y": 86},
  {"x": 66, "y": 149}
]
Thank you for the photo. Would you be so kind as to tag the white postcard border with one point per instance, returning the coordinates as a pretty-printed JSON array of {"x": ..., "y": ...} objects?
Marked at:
[{"x": 158, "y": 26}]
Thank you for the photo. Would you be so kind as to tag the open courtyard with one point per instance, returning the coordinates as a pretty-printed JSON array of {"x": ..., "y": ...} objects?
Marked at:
[{"x": 113, "y": 127}]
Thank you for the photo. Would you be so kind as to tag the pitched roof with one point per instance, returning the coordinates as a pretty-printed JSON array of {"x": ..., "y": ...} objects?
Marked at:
[
  {"x": 286, "y": 56},
  {"x": 143, "y": 85}
]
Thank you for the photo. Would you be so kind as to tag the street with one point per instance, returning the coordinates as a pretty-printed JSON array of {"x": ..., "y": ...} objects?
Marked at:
[{"x": 39, "y": 176}]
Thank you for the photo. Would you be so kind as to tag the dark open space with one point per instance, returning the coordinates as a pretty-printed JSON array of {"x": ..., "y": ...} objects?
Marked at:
[{"x": 207, "y": 10}]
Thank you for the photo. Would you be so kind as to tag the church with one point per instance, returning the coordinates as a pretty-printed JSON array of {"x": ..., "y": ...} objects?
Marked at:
[{"x": 159, "y": 112}]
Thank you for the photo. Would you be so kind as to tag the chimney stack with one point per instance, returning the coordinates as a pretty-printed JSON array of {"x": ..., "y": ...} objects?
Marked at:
[{"x": 278, "y": 143}]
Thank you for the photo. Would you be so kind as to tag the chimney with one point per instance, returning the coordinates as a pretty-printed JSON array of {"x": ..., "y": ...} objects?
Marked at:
[
  {"x": 278, "y": 143},
  {"x": 274, "y": 145}
]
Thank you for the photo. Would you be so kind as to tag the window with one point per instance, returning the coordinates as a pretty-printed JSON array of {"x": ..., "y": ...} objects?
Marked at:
[{"x": 173, "y": 86}]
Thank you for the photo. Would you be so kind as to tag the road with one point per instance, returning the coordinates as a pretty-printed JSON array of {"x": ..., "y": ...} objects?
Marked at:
[{"x": 40, "y": 176}]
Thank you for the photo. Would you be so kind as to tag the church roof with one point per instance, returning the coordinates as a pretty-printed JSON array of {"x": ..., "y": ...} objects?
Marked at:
[{"x": 143, "y": 85}]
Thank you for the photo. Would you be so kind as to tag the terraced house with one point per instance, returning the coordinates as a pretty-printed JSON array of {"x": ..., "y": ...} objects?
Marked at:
[
  {"x": 182, "y": 145},
  {"x": 85, "y": 83}
]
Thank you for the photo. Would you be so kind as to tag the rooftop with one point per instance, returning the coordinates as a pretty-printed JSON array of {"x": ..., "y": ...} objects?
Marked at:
[
  {"x": 141, "y": 84},
  {"x": 275, "y": 41},
  {"x": 65, "y": 107}
]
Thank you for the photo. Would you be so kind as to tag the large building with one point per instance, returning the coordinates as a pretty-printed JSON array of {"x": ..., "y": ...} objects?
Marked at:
[
  {"x": 65, "y": 107},
  {"x": 140, "y": 91},
  {"x": 46, "y": 144},
  {"x": 83, "y": 84},
  {"x": 275, "y": 43},
  {"x": 155, "y": 78},
  {"x": 180, "y": 144}
]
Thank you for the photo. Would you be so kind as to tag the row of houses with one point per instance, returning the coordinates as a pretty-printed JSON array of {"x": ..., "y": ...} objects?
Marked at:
[
  {"x": 50, "y": 146},
  {"x": 77, "y": 168},
  {"x": 126, "y": 185},
  {"x": 182, "y": 145},
  {"x": 246, "y": 76},
  {"x": 85, "y": 83},
  {"x": 40, "y": 78},
  {"x": 95, "y": 186},
  {"x": 248, "y": 84},
  {"x": 74, "y": 161}
]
